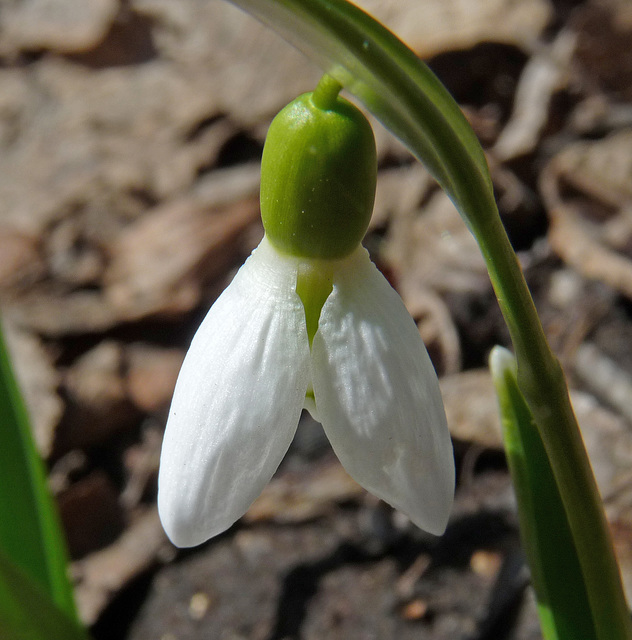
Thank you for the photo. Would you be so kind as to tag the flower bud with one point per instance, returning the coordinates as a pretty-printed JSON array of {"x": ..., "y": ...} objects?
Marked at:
[{"x": 318, "y": 175}]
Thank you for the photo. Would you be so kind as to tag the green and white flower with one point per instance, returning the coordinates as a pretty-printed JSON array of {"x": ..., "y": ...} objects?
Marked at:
[{"x": 322, "y": 332}]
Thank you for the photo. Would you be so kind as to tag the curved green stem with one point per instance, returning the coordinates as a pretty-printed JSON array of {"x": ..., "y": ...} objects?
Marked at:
[{"x": 376, "y": 67}]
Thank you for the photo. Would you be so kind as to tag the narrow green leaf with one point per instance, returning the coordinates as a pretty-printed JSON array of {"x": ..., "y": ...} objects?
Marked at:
[
  {"x": 30, "y": 532},
  {"x": 27, "y": 611},
  {"x": 556, "y": 572}
]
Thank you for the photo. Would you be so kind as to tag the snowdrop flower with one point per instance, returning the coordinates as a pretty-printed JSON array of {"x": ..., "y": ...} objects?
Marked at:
[{"x": 307, "y": 322}]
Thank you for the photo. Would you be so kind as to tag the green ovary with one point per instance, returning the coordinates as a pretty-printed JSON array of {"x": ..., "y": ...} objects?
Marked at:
[{"x": 318, "y": 176}]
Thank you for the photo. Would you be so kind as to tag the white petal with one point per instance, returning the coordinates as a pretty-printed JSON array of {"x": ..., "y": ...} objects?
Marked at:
[
  {"x": 378, "y": 396},
  {"x": 237, "y": 401}
]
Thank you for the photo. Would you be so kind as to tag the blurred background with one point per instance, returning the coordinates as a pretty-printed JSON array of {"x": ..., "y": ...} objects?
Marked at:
[{"x": 130, "y": 139}]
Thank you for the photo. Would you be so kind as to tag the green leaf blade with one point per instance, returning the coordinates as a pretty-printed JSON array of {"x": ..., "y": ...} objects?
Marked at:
[
  {"x": 30, "y": 531},
  {"x": 28, "y": 613},
  {"x": 563, "y": 604}
]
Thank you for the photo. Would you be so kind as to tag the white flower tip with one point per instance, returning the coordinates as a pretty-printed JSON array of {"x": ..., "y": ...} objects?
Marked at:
[
  {"x": 178, "y": 532},
  {"x": 184, "y": 526},
  {"x": 437, "y": 505},
  {"x": 426, "y": 492}
]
